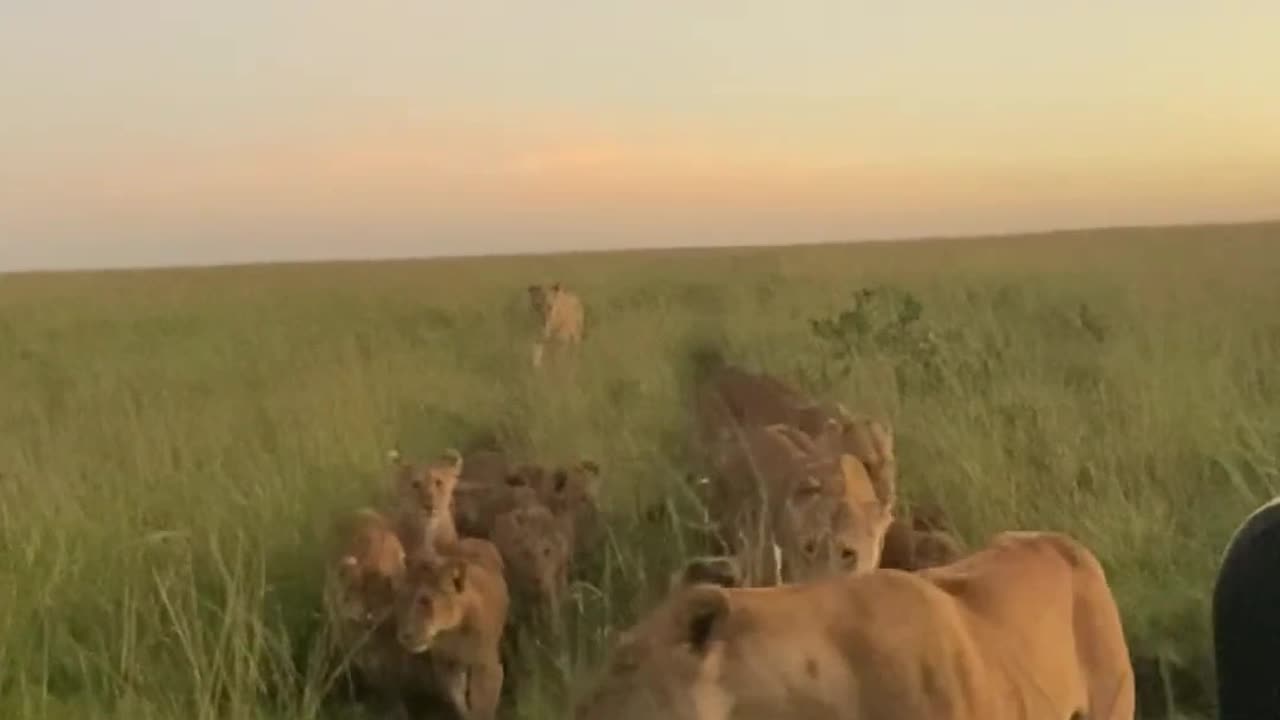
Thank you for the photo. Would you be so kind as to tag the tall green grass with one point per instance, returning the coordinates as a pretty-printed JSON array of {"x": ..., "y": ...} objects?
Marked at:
[{"x": 176, "y": 446}]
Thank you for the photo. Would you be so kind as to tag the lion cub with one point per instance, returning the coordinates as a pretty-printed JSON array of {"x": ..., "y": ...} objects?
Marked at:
[
  {"x": 536, "y": 551},
  {"x": 453, "y": 604},
  {"x": 424, "y": 502},
  {"x": 360, "y": 597}
]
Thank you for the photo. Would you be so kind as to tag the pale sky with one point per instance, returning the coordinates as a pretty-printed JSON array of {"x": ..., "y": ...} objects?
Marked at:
[{"x": 145, "y": 132}]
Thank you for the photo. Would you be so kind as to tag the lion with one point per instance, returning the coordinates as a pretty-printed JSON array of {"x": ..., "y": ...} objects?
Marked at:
[
  {"x": 1025, "y": 628},
  {"x": 794, "y": 510},
  {"x": 536, "y": 551},
  {"x": 453, "y": 605},
  {"x": 1246, "y": 623},
  {"x": 479, "y": 500},
  {"x": 361, "y": 602},
  {"x": 572, "y": 494},
  {"x": 424, "y": 501},
  {"x": 561, "y": 314},
  {"x": 866, "y": 438},
  {"x": 371, "y": 560},
  {"x": 730, "y": 399},
  {"x": 909, "y": 549},
  {"x": 923, "y": 538},
  {"x": 570, "y": 491}
]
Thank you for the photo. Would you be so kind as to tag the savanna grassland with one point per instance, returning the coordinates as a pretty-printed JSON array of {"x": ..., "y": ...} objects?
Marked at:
[{"x": 177, "y": 445}]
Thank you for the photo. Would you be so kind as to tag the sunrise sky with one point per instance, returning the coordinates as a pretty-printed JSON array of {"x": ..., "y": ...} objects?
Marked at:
[{"x": 149, "y": 132}]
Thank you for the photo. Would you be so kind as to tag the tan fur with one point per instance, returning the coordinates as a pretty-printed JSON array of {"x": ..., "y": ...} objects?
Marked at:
[
  {"x": 1025, "y": 629},
  {"x": 569, "y": 491},
  {"x": 906, "y": 548},
  {"x": 454, "y": 605},
  {"x": 536, "y": 551},
  {"x": 732, "y": 398},
  {"x": 867, "y": 439},
  {"x": 424, "y": 502},
  {"x": 478, "y": 504},
  {"x": 572, "y": 494},
  {"x": 370, "y": 565},
  {"x": 561, "y": 314},
  {"x": 484, "y": 467},
  {"x": 771, "y": 486}
]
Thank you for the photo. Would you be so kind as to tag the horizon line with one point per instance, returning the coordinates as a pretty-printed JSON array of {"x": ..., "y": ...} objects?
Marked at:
[{"x": 574, "y": 252}]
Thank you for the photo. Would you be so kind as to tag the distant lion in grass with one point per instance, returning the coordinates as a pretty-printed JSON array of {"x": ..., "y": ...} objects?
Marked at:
[{"x": 561, "y": 315}]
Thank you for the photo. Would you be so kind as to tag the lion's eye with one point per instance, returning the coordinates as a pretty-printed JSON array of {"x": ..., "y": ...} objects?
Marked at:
[{"x": 810, "y": 548}]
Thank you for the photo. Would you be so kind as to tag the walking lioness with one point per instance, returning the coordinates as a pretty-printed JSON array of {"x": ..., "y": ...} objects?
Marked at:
[
  {"x": 561, "y": 315},
  {"x": 1024, "y": 629}
]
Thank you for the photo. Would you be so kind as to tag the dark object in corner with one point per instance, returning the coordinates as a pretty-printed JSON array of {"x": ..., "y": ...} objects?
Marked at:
[{"x": 1246, "y": 619}]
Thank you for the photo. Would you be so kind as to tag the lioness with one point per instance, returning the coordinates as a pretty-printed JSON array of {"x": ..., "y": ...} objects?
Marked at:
[
  {"x": 361, "y": 601},
  {"x": 1024, "y": 629},
  {"x": 561, "y": 314},
  {"x": 454, "y": 604},
  {"x": 729, "y": 399},
  {"x": 424, "y": 505},
  {"x": 794, "y": 510}
]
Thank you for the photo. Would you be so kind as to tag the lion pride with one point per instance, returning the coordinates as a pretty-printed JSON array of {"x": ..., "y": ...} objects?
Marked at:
[
  {"x": 1024, "y": 629},
  {"x": 561, "y": 315}
]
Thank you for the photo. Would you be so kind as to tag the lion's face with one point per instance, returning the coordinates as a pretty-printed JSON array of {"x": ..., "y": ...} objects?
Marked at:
[
  {"x": 430, "y": 601},
  {"x": 833, "y": 522},
  {"x": 362, "y": 595},
  {"x": 665, "y": 667},
  {"x": 573, "y": 490},
  {"x": 428, "y": 488},
  {"x": 540, "y": 299},
  {"x": 535, "y": 550}
]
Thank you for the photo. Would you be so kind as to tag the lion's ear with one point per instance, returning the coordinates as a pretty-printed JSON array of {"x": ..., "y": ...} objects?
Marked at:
[
  {"x": 451, "y": 461},
  {"x": 458, "y": 573},
  {"x": 348, "y": 565},
  {"x": 715, "y": 570},
  {"x": 704, "y": 609}
]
